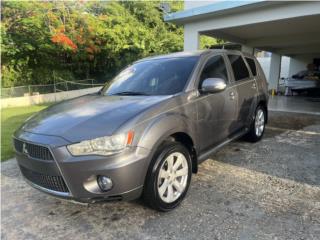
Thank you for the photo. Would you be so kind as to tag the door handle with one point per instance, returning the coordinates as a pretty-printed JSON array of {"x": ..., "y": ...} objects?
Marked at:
[
  {"x": 254, "y": 85},
  {"x": 232, "y": 95}
]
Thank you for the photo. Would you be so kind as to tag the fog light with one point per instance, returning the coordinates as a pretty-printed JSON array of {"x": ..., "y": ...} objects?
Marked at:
[{"x": 104, "y": 183}]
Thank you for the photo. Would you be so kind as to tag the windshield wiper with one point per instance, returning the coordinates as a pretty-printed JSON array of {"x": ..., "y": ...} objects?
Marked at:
[{"x": 128, "y": 93}]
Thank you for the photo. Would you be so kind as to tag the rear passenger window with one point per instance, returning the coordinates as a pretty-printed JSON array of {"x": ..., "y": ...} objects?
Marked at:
[
  {"x": 239, "y": 67},
  {"x": 252, "y": 66},
  {"x": 214, "y": 68}
]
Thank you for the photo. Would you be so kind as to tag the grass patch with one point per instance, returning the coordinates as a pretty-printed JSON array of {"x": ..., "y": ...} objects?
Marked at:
[{"x": 11, "y": 119}]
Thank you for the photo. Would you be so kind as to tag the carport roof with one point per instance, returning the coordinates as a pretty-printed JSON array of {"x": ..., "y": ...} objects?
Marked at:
[
  {"x": 286, "y": 28},
  {"x": 212, "y": 9}
]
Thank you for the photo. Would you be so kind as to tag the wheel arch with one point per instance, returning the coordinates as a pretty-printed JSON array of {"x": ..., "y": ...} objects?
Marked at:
[
  {"x": 186, "y": 140},
  {"x": 169, "y": 127}
]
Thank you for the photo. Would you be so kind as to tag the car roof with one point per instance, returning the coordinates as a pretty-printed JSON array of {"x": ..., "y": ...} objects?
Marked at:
[
  {"x": 174, "y": 55},
  {"x": 193, "y": 54}
]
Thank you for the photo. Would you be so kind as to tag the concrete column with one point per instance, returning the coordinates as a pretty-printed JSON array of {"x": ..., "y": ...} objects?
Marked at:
[
  {"x": 274, "y": 72},
  {"x": 191, "y": 38},
  {"x": 247, "y": 49}
]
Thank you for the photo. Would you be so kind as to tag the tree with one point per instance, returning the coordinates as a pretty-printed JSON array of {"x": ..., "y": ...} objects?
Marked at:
[{"x": 44, "y": 40}]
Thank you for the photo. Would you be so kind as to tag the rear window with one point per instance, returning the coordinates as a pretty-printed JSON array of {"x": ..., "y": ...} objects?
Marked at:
[
  {"x": 252, "y": 66},
  {"x": 239, "y": 67}
]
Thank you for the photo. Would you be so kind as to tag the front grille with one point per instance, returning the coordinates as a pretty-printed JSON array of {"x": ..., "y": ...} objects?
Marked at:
[
  {"x": 55, "y": 183},
  {"x": 33, "y": 150}
]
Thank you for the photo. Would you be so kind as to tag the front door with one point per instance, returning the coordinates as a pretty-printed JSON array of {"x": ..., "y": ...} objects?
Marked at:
[{"x": 216, "y": 112}]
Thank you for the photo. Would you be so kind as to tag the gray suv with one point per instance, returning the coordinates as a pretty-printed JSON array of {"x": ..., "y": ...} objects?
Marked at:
[{"x": 146, "y": 132}]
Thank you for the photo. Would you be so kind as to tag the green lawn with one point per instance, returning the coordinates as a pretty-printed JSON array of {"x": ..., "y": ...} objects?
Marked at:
[{"x": 11, "y": 119}]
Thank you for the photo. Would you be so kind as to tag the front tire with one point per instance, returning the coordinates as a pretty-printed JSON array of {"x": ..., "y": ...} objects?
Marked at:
[
  {"x": 168, "y": 178},
  {"x": 258, "y": 125}
]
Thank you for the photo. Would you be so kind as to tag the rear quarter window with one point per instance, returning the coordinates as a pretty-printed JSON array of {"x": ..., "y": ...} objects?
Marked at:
[
  {"x": 252, "y": 66},
  {"x": 240, "y": 70}
]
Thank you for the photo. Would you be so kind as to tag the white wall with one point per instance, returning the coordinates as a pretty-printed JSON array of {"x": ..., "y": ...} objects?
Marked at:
[
  {"x": 265, "y": 65},
  {"x": 45, "y": 98}
]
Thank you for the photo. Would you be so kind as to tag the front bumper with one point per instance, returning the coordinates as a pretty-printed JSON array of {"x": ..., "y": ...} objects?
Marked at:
[{"x": 74, "y": 178}]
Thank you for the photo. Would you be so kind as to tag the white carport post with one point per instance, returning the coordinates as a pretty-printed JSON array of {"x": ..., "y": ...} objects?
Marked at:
[
  {"x": 274, "y": 72},
  {"x": 191, "y": 38}
]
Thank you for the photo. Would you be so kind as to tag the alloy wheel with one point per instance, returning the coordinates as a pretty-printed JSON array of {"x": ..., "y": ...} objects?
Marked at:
[
  {"x": 259, "y": 122},
  {"x": 173, "y": 177}
]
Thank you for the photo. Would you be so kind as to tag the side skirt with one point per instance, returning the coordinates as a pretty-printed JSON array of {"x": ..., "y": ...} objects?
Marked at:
[{"x": 204, "y": 156}]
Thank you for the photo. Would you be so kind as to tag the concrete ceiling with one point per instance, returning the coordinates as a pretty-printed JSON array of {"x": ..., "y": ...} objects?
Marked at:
[{"x": 292, "y": 36}]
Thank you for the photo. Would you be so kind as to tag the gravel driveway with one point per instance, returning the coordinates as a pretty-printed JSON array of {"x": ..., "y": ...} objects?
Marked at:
[{"x": 267, "y": 190}]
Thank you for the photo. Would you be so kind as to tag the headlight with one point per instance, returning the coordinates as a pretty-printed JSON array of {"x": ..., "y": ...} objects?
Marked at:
[{"x": 102, "y": 146}]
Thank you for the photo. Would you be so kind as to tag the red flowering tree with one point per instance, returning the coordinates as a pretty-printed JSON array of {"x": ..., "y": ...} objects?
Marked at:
[{"x": 65, "y": 41}]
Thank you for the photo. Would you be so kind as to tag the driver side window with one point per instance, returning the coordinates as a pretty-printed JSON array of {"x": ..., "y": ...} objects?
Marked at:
[{"x": 214, "y": 68}]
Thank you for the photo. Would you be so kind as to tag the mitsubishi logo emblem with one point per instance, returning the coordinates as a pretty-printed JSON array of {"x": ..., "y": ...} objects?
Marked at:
[{"x": 24, "y": 148}]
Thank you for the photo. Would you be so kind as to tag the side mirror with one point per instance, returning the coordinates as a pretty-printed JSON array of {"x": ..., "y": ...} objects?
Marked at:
[{"x": 213, "y": 85}]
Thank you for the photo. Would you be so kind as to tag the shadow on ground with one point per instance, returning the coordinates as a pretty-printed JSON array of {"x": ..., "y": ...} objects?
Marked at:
[{"x": 289, "y": 149}]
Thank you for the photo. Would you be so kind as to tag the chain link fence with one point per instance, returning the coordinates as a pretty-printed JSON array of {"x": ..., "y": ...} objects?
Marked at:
[{"x": 60, "y": 86}]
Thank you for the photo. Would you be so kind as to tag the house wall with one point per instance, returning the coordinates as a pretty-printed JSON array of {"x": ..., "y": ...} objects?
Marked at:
[{"x": 265, "y": 65}]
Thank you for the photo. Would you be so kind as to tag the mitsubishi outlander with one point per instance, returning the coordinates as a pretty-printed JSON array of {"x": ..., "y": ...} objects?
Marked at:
[{"x": 145, "y": 133}]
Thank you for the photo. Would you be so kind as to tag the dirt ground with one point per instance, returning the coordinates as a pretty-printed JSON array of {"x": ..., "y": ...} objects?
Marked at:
[{"x": 266, "y": 190}]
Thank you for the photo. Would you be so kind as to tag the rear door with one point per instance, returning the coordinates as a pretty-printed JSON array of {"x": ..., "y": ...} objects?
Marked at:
[
  {"x": 258, "y": 75},
  {"x": 246, "y": 87}
]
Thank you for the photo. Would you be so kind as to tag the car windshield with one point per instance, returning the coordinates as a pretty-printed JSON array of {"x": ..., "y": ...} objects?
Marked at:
[{"x": 164, "y": 76}]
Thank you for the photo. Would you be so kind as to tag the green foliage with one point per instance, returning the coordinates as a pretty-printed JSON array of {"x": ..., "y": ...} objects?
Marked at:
[
  {"x": 41, "y": 40},
  {"x": 206, "y": 42}
]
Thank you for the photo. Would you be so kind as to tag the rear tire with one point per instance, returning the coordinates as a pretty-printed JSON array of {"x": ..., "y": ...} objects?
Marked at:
[
  {"x": 258, "y": 125},
  {"x": 168, "y": 177}
]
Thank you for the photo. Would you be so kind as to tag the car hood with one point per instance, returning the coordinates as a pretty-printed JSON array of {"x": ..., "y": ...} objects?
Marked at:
[{"x": 89, "y": 116}]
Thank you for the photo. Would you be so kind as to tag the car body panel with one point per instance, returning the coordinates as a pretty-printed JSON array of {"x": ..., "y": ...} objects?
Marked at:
[
  {"x": 89, "y": 116},
  {"x": 216, "y": 112},
  {"x": 216, "y": 117}
]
